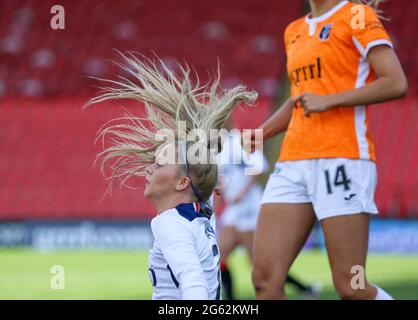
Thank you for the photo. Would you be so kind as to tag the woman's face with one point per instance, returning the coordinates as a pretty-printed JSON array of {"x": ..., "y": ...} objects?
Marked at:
[{"x": 162, "y": 177}]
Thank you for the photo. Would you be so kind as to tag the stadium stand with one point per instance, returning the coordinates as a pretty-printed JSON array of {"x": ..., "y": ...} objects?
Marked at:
[{"x": 39, "y": 61}]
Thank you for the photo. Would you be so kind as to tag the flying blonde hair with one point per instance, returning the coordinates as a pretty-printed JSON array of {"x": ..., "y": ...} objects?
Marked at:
[{"x": 168, "y": 100}]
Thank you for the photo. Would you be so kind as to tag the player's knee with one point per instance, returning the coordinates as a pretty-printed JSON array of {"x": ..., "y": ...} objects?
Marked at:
[
  {"x": 266, "y": 283},
  {"x": 348, "y": 293},
  {"x": 345, "y": 289},
  {"x": 260, "y": 278},
  {"x": 266, "y": 288}
]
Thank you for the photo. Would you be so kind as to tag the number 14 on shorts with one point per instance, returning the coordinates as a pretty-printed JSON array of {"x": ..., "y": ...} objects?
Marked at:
[{"x": 340, "y": 179}]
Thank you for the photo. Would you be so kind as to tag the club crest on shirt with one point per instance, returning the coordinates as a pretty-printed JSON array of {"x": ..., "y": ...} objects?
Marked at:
[{"x": 325, "y": 32}]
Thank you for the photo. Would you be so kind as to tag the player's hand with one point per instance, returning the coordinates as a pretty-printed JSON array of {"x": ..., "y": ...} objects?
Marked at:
[{"x": 313, "y": 103}]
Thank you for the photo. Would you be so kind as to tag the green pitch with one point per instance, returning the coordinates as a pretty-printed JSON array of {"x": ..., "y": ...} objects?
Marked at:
[{"x": 26, "y": 274}]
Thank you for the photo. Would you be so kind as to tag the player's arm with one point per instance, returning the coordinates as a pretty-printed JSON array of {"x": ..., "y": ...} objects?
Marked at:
[
  {"x": 178, "y": 246},
  {"x": 279, "y": 121},
  {"x": 390, "y": 84},
  {"x": 274, "y": 125}
]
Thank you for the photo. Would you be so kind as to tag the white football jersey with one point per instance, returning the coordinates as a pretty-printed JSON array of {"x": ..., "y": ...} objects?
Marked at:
[{"x": 184, "y": 260}]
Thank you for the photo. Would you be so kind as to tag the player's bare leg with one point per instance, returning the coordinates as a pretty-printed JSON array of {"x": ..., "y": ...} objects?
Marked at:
[
  {"x": 228, "y": 241},
  {"x": 246, "y": 239},
  {"x": 281, "y": 232},
  {"x": 346, "y": 239}
]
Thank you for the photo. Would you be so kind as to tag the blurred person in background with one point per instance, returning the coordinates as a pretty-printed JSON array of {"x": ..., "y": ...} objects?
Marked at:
[{"x": 184, "y": 259}]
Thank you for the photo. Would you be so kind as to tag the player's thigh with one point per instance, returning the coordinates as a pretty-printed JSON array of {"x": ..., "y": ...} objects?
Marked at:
[
  {"x": 281, "y": 232},
  {"x": 227, "y": 241},
  {"x": 346, "y": 239}
]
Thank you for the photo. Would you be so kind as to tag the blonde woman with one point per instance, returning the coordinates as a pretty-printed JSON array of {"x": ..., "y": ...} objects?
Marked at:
[
  {"x": 184, "y": 259},
  {"x": 339, "y": 60}
]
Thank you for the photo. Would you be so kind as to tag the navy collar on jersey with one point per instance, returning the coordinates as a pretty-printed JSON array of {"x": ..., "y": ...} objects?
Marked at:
[{"x": 190, "y": 211}]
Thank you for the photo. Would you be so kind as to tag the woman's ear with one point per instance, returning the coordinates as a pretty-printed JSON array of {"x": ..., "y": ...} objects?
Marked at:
[{"x": 182, "y": 183}]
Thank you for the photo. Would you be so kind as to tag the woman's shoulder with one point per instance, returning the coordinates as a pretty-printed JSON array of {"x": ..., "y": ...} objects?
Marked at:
[
  {"x": 295, "y": 24},
  {"x": 165, "y": 218},
  {"x": 294, "y": 30},
  {"x": 169, "y": 222}
]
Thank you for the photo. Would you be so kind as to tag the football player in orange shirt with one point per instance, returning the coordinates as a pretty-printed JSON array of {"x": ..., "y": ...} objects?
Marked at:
[{"x": 339, "y": 60}]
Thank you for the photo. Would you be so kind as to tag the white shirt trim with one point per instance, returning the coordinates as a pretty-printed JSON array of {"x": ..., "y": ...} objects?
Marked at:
[
  {"x": 365, "y": 51},
  {"x": 377, "y": 43},
  {"x": 358, "y": 46},
  {"x": 360, "y": 111},
  {"x": 313, "y": 21}
]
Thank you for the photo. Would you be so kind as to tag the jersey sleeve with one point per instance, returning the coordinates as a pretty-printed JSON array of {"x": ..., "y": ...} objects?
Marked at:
[
  {"x": 177, "y": 244},
  {"x": 370, "y": 34}
]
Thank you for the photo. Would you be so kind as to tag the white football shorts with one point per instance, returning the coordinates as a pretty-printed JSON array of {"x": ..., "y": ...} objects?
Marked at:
[{"x": 335, "y": 186}]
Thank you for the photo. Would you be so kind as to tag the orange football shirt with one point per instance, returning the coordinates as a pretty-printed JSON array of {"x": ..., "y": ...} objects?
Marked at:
[{"x": 326, "y": 55}]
